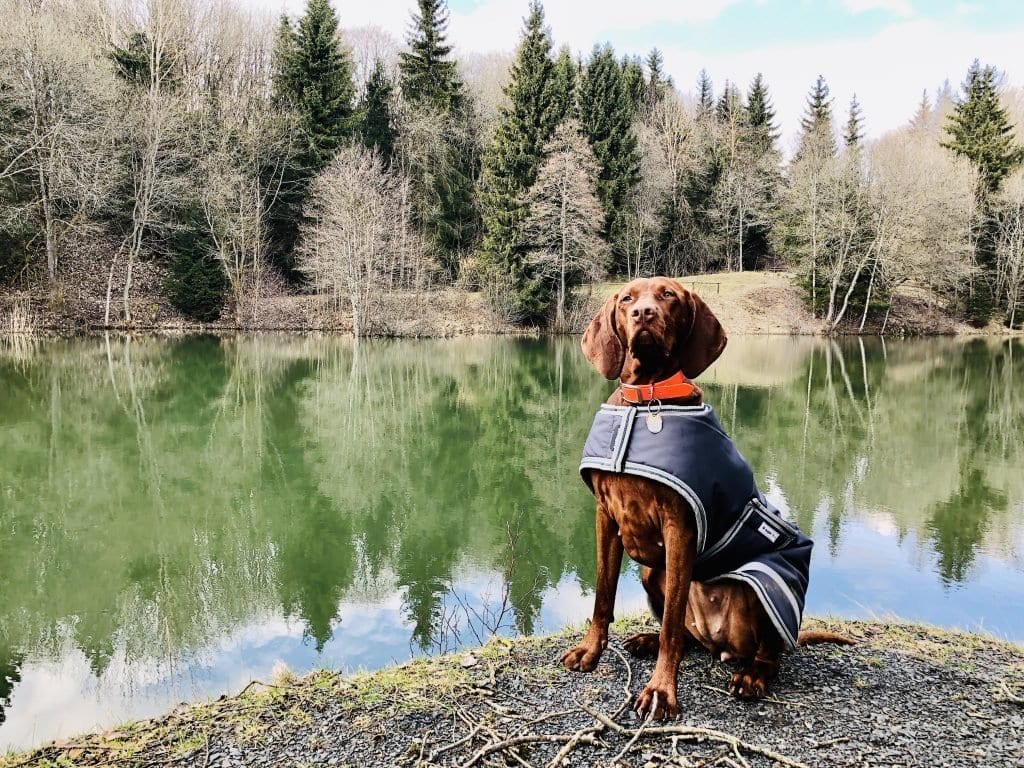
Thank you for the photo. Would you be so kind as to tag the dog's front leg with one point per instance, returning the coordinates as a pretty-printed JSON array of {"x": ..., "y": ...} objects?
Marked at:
[
  {"x": 584, "y": 657},
  {"x": 658, "y": 698}
]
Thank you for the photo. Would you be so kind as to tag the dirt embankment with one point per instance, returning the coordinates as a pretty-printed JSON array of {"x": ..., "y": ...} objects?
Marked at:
[{"x": 903, "y": 695}]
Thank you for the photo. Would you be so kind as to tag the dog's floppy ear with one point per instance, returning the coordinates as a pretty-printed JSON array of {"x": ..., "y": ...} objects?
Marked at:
[
  {"x": 602, "y": 344},
  {"x": 703, "y": 341}
]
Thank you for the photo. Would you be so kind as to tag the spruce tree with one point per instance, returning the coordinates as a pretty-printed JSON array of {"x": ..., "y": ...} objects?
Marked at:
[
  {"x": 445, "y": 202},
  {"x": 376, "y": 124},
  {"x": 634, "y": 83},
  {"x": 527, "y": 120},
  {"x": 428, "y": 73},
  {"x": 316, "y": 78},
  {"x": 657, "y": 83},
  {"x": 312, "y": 78},
  {"x": 979, "y": 130},
  {"x": 705, "y": 94},
  {"x": 817, "y": 133},
  {"x": 922, "y": 119},
  {"x": 606, "y": 114},
  {"x": 854, "y": 134},
  {"x": 196, "y": 283},
  {"x": 761, "y": 135},
  {"x": 761, "y": 115},
  {"x": 564, "y": 78},
  {"x": 730, "y": 105}
]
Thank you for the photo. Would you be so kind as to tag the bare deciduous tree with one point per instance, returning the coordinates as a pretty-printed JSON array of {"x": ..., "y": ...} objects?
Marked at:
[
  {"x": 152, "y": 126},
  {"x": 359, "y": 243},
  {"x": 58, "y": 92},
  {"x": 922, "y": 203},
  {"x": 1010, "y": 246},
  {"x": 368, "y": 45},
  {"x": 563, "y": 228},
  {"x": 248, "y": 147}
]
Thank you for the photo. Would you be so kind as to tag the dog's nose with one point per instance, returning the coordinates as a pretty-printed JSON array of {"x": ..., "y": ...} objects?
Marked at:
[{"x": 645, "y": 311}]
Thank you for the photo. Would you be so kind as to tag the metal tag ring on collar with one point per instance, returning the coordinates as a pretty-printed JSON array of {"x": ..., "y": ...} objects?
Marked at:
[{"x": 654, "y": 407}]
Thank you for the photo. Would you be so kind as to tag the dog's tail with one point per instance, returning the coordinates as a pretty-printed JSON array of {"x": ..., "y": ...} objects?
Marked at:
[{"x": 813, "y": 637}]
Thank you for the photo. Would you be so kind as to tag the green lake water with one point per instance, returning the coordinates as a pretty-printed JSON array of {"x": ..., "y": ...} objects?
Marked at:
[{"x": 178, "y": 517}]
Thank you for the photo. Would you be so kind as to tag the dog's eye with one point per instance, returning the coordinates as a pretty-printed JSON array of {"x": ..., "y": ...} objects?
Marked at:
[
  {"x": 626, "y": 299},
  {"x": 669, "y": 293}
]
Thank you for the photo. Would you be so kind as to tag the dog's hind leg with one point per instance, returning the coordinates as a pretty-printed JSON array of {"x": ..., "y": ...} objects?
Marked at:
[
  {"x": 752, "y": 681},
  {"x": 645, "y": 645}
]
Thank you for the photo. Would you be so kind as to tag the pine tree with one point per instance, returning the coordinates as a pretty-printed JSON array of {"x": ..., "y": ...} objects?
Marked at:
[
  {"x": 606, "y": 113},
  {"x": 376, "y": 124},
  {"x": 854, "y": 135},
  {"x": 761, "y": 115},
  {"x": 979, "y": 130},
  {"x": 428, "y": 74},
  {"x": 527, "y": 120}
]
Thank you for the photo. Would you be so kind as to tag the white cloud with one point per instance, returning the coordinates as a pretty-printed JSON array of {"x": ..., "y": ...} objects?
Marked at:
[
  {"x": 497, "y": 24},
  {"x": 886, "y": 71},
  {"x": 897, "y": 7}
]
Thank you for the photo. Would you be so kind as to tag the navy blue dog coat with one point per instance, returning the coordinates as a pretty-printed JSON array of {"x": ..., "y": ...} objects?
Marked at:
[{"x": 740, "y": 536}]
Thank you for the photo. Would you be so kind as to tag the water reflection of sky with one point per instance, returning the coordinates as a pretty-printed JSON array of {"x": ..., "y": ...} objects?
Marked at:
[{"x": 873, "y": 574}]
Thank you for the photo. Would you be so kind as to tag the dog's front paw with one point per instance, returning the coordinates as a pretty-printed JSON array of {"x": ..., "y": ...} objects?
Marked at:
[
  {"x": 657, "y": 701},
  {"x": 582, "y": 658}
]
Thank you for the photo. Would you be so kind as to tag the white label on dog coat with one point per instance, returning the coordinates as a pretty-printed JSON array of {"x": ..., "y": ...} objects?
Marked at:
[{"x": 768, "y": 532}]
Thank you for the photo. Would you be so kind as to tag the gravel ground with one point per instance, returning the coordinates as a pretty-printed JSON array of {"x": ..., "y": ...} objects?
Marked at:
[{"x": 902, "y": 696}]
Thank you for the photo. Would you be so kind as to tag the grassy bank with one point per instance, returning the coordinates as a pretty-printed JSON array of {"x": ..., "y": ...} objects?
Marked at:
[{"x": 903, "y": 691}]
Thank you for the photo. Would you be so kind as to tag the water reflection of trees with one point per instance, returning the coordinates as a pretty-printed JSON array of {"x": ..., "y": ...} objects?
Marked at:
[
  {"x": 919, "y": 436},
  {"x": 156, "y": 495}
]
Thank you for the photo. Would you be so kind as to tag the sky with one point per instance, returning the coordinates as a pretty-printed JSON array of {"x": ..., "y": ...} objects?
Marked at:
[{"x": 886, "y": 52}]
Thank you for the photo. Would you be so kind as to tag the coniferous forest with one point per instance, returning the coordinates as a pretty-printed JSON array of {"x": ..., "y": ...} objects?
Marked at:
[{"x": 197, "y": 154}]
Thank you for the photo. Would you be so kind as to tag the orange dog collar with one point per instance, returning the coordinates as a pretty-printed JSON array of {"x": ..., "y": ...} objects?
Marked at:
[{"x": 676, "y": 386}]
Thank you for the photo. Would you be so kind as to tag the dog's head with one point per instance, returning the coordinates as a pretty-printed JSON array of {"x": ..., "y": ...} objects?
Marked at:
[{"x": 658, "y": 324}]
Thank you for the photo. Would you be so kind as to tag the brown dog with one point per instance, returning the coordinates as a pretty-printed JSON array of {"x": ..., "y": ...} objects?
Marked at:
[{"x": 649, "y": 332}]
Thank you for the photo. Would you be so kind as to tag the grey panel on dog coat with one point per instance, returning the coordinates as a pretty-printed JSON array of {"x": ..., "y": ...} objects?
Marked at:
[{"x": 740, "y": 535}]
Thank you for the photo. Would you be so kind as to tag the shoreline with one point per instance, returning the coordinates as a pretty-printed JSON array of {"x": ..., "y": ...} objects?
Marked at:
[
  {"x": 746, "y": 303},
  {"x": 904, "y": 694}
]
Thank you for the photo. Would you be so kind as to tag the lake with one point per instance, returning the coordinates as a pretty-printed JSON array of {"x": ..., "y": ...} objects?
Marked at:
[{"x": 179, "y": 517}]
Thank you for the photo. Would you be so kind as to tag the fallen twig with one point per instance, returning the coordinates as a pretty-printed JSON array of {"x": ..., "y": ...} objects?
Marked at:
[
  {"x": 1008, "y": 695},
  {"x": 499, "y": 746},
  {"x": 770, "y": 699},
  {"x": 688, "y": 731}
]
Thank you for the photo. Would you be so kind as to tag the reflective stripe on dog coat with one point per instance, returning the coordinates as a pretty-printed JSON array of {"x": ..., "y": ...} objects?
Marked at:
[{"x": 740, "y": 535}]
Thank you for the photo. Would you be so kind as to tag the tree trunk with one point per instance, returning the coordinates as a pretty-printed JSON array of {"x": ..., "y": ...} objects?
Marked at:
[
  {"x": 867, "y": 301},
  {"x": 110, "y": 291}
]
